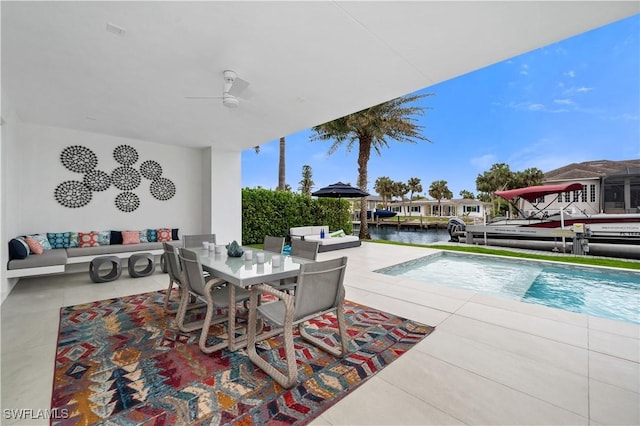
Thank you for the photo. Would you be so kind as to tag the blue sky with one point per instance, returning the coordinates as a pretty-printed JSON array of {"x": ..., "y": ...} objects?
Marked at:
[{"x": 575, "y": 100}]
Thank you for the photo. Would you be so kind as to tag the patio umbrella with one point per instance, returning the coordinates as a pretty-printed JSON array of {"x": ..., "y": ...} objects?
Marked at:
[{"x": 339, "y": 190}]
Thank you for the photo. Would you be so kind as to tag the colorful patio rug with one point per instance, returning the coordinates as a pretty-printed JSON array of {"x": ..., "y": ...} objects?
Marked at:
[{"x": 123, "y": 362}]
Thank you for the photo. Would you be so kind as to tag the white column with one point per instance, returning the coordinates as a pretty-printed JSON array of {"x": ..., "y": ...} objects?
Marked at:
[
  {"x": 627, "y": 196},
  {"x": 226, "y": 196}
]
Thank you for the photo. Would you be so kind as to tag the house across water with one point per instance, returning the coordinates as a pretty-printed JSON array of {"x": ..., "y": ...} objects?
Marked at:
[{"x": 607, "y": 187}]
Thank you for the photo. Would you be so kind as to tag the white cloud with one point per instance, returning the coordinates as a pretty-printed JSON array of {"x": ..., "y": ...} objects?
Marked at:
[
  {"x": 535, "y": 107},
  {"x": 320, "y": 156},
  {"x": 564, "y": 101},
  {"x": 518, "y": 105},
  {"x": 545, "y": 154},
  {"x": 626, "y": 117},
  {"x": 570, "y": 73},
  {"x": 571, "y": 91},
  {"x": 484, "y": 162},
  {"x": 524, "y": 69}
]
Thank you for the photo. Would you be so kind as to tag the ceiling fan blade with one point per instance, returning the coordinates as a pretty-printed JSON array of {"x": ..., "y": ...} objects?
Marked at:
[
  {"x": 203, "y": 97},
  {"x": 239, "y": 85}
]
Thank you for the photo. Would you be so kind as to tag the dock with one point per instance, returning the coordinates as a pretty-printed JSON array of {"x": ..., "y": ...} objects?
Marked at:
[{"x": 413, "y": 225}]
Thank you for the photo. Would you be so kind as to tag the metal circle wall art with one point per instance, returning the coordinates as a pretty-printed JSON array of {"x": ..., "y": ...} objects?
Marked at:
[
  {"x": 127, "y": 201},
  {"x": 73, "y": 194},
  {"x": 151, "y": 169},
  {"x": 125, "y": 154},
  {"x": 162, "y": 189},
  {"x": 125, "y": 178},
  {"x": 97, "y": 180},
  {"x": 78, "y": 159}
]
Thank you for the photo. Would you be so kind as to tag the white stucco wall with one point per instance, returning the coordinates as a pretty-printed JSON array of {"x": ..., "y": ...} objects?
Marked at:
[
  {"x": 31, "y": 170},
  {"x": 208, "y": 187},
  {"x": 226, "y": 196},
  {"x": 41, "y": 171},
  {"x": 11, "y": 160}
]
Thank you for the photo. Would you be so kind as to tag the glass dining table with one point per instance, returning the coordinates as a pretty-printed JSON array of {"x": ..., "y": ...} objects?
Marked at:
[{"x": 240, "y": 272}]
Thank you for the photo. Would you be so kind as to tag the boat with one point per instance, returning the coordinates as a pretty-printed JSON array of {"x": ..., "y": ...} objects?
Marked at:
[
  {"x": 616, "y": 235},
  {"x": 381, "y": 214}
]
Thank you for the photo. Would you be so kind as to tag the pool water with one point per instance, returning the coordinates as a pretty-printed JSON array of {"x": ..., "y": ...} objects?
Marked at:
[
  {"x": 389, "y": 233},
  {"x": 600, "y": 292}
]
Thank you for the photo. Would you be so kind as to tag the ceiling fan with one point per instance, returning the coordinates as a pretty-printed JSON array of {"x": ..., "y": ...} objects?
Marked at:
[{"x": 233, "y": 87}]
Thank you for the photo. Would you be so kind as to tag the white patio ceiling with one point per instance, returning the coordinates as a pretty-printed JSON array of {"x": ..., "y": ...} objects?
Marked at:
[{"x": 307, "y": 62}]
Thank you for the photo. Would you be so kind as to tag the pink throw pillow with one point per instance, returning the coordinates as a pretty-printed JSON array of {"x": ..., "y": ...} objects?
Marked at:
[
  {"x": 164, "y": 235},
  {"x": 130, "y": 237},
  {"x": 88, "y": 239},
  {"x": 34, "y": 245}
]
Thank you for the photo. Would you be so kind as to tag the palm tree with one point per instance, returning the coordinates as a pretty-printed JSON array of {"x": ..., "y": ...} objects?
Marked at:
[
  {"x": 467, "y": 195},
  {"x": 415, "y": 185},
  {"x": 384, "y": 187},
  {"x": 529, "y": 177},
  {"x": 499, "y": 177},
  {"x": 370, "y": 129},
  {"x": 281, "y": 169},
  {"x": 306, "y": 183},
  {"x": 440, "y": 190},
  {"x": 399, "y": 189}
]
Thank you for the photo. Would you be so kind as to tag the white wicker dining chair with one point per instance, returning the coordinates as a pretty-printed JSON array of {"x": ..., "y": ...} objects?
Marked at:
[
  {"x": 319, "y": 290},
  {"x": 273, "y": 244},
  {"x": 175, "y": 271},
  {"x": 195, "y": 241},
  {"x": 303, "y": 248},
  {"x": 215, "y": 292},
  {"x": 299, "y": 248}
]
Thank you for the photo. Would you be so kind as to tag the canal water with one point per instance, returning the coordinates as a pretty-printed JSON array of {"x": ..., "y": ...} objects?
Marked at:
[{"x": 390, "y": 233}]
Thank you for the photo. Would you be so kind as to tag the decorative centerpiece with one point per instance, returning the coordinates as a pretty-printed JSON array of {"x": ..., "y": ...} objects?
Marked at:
[{"x": 234, "y": 249}]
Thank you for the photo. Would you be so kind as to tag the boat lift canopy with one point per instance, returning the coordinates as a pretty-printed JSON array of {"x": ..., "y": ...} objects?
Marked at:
[{"x": 532, "y": 193}]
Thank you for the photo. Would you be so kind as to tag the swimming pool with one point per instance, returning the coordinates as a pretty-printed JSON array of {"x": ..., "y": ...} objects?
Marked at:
[{"x": 600, "y": 292}]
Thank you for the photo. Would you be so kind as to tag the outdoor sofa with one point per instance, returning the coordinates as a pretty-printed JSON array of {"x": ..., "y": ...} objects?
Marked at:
[
  {"x": 332, "y": 240},
  {"x": 57, "y": 259}
]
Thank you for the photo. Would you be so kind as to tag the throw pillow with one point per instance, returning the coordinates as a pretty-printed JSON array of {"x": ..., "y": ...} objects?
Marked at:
[
  {"x": 104, "y": 237},
  {"x": 88, "y": 239},
  {"x": 73, "y": 239},
  {"x": 130, "y": 237},
  {"x": 152, "y": 235},
  {"x": 143, "y": 236},
  {"x": 34, "y": 245},
  {"x": 174, "y": 234},
  {"x": 164, "y": 235},
  {"x": 116, "y": 237},
  {"x": 43, "y": 240},
  {"x": 58, "y": 239},
  {"x": 18, "y": 249}
]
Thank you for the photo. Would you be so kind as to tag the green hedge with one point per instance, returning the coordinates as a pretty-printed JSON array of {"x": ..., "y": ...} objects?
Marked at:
[{"x": 266, "y": 212}]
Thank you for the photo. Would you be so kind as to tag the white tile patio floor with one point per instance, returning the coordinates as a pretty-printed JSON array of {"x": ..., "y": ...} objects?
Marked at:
[{"x": 490, "y": 360}]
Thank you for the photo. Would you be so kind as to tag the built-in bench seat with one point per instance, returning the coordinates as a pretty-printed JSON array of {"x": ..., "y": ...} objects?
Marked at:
[
  {"x": 55, "y": 261},
  {"x": 49, "y": 262},
  {"x": 86, "y": 254},
  {"x": 329, "y": 242}
]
